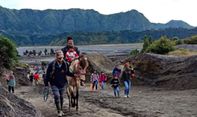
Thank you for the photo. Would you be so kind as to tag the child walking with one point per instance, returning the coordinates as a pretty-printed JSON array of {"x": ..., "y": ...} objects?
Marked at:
[{"x": 115, "y": 85}]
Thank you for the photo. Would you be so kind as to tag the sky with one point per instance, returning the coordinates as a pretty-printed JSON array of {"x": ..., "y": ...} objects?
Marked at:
[{"x": 157, "y": 11}]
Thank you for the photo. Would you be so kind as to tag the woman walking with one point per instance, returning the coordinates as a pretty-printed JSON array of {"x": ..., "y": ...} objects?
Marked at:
[
  {"x": 127, "y": 74},
  {"x": 11, "y": 82}
]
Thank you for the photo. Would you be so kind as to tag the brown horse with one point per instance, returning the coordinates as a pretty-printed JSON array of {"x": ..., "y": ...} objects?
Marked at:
[{"x": 77, "y": 66}]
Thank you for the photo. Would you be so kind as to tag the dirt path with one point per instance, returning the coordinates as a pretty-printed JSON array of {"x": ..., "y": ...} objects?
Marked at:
[
  {"x": 86, "y": 109},
  {"x": 143, "y": 101}
]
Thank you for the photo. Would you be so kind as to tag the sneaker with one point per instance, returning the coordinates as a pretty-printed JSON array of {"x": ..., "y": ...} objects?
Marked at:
[
  {"x": 128, "y": 96},
  {"x": 125, "y": 96},
  {"x": 60, "y": 114}
]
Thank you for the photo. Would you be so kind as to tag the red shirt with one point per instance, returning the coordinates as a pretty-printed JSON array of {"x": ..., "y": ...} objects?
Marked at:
[
  {"x": 36, "y": 76},
  {"x": 71, "y": 54},
  {"x": 102, "y": 78}
]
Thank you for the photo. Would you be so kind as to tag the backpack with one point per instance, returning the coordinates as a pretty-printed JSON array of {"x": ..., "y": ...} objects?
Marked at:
[{"x": 53, "y": 68}]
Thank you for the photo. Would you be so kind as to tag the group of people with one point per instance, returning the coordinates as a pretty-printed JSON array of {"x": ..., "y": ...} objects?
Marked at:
[
  {"x": 126, "y": 75},
  {"x": 98, "y": 80},
  {"x": 32, "y": 53},
  {"x": 34, "y": 77},
  {"x": 58, "y": 71}
]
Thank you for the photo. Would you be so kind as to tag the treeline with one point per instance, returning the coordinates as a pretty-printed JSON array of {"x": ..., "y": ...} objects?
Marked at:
[
  {"x": 82, "y": 38},
  {"x": 123, "y": 36}
]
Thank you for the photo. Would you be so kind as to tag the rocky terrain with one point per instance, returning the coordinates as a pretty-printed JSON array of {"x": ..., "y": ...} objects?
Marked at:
[
  {"x": 11, "y": 105},
  {"x": 170, "y": 72},
  {"x": 164, "y": 86}
]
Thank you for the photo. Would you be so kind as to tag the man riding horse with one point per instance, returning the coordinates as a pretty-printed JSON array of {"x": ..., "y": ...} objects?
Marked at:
[
  {"x": 78, "y": 65},
  {"x": 71, "y": 53}
]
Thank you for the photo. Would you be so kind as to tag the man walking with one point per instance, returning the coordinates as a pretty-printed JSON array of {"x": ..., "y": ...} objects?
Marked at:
[{"x": 57, "y": 72}]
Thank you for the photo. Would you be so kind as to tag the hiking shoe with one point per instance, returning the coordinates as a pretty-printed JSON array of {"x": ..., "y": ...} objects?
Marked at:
[{"x": 62, "y": 113}]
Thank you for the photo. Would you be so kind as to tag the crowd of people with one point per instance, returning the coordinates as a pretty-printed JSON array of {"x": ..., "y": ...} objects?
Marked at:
[
  {"x": 119, "y": 74},
  {"x": 57, "y": 71},
  {"x": 45, "y": 52}
]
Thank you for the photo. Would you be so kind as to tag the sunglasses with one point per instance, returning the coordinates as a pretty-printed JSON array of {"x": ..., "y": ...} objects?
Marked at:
[{"x": 60, "y": 58}]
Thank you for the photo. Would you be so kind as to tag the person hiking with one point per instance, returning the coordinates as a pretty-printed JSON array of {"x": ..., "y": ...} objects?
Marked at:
[
  {"x": 116, "y": 71},
  {"x": 94, "y": 80},
  {"x": 56, "y": 74},
  {"x": 115, "y": 85},
  {"x": 127, "y": 74},
  {"x": 70, "y": 51},
  {"x": 36, "y": 78},
  {"x": 31, "y": 78},
  {"x": 11, "y": 81},
  {"x": 102, "y": 80}
]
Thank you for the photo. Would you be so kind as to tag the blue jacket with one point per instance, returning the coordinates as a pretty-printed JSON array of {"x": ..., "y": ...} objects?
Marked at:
[
  {"x": 116, "y": 72},
  {"x": 12, "y": 81},
  {"x": 57, "y": 75}
]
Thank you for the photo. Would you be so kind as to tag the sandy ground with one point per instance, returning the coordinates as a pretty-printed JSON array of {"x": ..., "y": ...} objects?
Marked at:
[{"x": 143, "y": 102}]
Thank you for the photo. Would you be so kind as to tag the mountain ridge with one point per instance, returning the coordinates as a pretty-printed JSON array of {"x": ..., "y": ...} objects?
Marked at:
[{"x": 49, "y": 21}]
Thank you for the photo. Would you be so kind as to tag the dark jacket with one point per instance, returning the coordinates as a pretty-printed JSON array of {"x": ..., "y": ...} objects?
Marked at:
[
  {"x": 57, "y": 75},
  {"x": 127, "y": 73},
  {"x": 115, "y": 82},
  {"x": 65, "y": 49}
]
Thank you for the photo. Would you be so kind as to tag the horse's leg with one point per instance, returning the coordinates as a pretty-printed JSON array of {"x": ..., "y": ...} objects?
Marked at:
[
  {"x": 72, "y": 101},
  {"x": 77, "y": 97},
  {"x": 69, "y": 98},
  {"x": 69, "y": 103},
  {"x": 72, "y": 97}
]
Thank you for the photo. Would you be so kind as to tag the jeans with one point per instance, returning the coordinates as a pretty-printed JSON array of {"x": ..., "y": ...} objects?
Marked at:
[
  {"x": 127, "y": 84},
  {"x": 116, "y": 91},
  {"x": 58, "y": 97},
  {"x": 11, "y": 89},
  {"x": 102, "y": 85},
  {"x": 95, "y": 84}
]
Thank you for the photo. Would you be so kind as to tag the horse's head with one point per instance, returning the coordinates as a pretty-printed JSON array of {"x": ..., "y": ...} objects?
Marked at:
[
  {"x": 83, "y": 62},
  {"x": 79, "y": 65}
]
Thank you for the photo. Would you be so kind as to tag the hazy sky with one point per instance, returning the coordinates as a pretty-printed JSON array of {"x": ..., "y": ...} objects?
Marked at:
[{"x": 157, "y": 11}]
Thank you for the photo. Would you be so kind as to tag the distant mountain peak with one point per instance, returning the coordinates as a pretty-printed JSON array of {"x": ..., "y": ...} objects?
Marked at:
[{"x": 179, "y": 24}]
